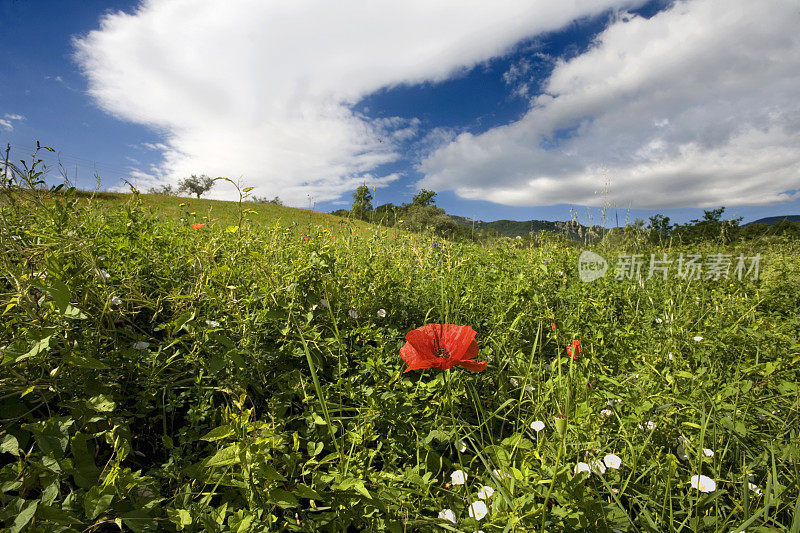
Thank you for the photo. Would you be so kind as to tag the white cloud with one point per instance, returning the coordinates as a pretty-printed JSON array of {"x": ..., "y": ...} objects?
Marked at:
[
  {"x": 264, "y": 90},
  {"x": 155, "y": 146},
  {"x": 697, "y": 106},
  {"x": 7, "y": 122}
]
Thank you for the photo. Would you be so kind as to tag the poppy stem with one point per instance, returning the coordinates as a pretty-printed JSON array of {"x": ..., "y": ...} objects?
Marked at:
[{"x": 447, "y": 379}]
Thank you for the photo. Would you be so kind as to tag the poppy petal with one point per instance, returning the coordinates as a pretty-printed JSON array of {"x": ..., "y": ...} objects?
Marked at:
[
  {"x": 459, "y": 340},
  {"x": 415, "y": 360},
  {"x": 472, "y": 351},
  {"x": 475, "y": 366},
  {"x": 422, "y": 339}
]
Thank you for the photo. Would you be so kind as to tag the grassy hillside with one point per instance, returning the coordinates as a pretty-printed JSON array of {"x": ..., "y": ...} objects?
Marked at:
[
  {"x": 157, "y": 377},
  {"x": 214, "y": 212}
]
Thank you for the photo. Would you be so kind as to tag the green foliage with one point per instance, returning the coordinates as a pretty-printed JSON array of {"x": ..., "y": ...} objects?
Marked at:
[
  {"x": 424, "y": 198},
  {"x": 197, "y": 185},
  {"x": 164, "y": 190},
  {"x": 362, "y": 203},
  {"x": 160, "y": 378},
  {"x": 264, "y": 200}
]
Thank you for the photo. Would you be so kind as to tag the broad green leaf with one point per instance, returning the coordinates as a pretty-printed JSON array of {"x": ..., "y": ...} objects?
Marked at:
[
  {"x": 57, "y": 515},
  {"x": 97, "y": 501},
  {"x": 268, "y": 472},
  {"x": 218, "y": 433},
  {"x": 85, "y": 361},
  {"x": 283, "y": 498},
  {"x": 437, "y": 434},
  {"x": 304, "y": 491},
  {"x": 138, "y": 520},
  {"x": 51, "y": 435},
  {"x": 10, "y": 445},
  {"x": 58, "y": 291},
  {"x": 86, "y": 473},
  {"x": 42, "y": 345},
  {"x": 224, "y": 457},
  {"x": 24, "y": 516},
  {"x": 180, "y": 517},
  {"x": 101, "y": 403},
  {"x": 74, "y": 312}
]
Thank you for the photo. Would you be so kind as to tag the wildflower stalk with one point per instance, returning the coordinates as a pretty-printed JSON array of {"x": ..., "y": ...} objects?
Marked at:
[
  {"x": 553, "y": 480},
  {"x": 320, "y": 395}
]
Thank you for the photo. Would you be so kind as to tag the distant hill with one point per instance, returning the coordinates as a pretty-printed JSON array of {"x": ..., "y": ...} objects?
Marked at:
[
  {"x": 513, "y": 228},
  {"x": 773, "y": 220}
]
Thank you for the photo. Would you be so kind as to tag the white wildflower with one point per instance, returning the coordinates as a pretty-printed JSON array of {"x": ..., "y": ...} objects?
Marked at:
[
  {"x": 102, "y": 273},
  {"x": 499, "y": 474},
  {"x": 212, "y": 323},
  {"x": 753, "y": 487},
  {"x": 681, "y": 452},
  {"x": 598, "y": 467},
  {"x": 649, "y": 425},
  {"x": 698, "y": 338},
  {"x": 382, "y": 313},
  {"x": 659, "y": 321},
  {"x": 514, "y": 382},
  {"x": 478, "y": 510},
  {"x": 459, "y": 477},
  {"x": 353, "y": 313},
  {"x": 39, "y": 275},
  {"x": 141, "y": 345},
  {"x": 612, "y": 461},
  {"x": 115, "y": 300},
  {"x": 314, "y": 307},
  {"x": 703, "y": 484},
  {"x": 485, "y": 492},
  {"x": 613, "y": 401},
  {"x": 582, "y": 467},
  {"x": 708, "y": 453},
  {"x": 447, "y": 514},
  {"x": 530, "y": 389},
  {"x": 537, "y": 425},
  {"x": 462, "y": 446},
  {"x": 605, "y": 412},
  {"x": 670, "y": 356}
]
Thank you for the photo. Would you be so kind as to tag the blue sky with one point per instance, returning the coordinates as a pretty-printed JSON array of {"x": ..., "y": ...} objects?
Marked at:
[{"x": 516, "y": 110}]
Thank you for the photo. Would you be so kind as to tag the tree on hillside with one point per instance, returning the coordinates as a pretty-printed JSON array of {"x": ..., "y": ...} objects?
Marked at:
[
  {"x": 362, "y": 203},
  {"x": 710, "y": 228},
  {"x": 424, "y": 198},
  {"x": 196, "y": 184},
  {"x": 165, "y": 190},
  {"x": 659, "y": 227},
  {"x": 264, "y": 200}
]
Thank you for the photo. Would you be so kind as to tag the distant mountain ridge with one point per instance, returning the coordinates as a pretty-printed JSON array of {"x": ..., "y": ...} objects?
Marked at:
[
  {"x": 773, "y": 220},
  {"x": 513, "y": 228}
]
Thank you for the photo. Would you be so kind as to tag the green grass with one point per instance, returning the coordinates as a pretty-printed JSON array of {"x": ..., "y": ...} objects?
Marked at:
[{"x": 256, "y": 407}]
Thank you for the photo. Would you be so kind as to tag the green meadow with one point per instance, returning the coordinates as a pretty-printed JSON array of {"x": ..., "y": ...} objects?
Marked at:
[{"x": 245, "y": 376}]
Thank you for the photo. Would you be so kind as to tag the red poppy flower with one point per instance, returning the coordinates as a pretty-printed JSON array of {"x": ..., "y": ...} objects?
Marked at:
[
  {"x": 197, "y": 226},
  {"x": 574, "y": 349},
  {"x": 441, "y": 346}
]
